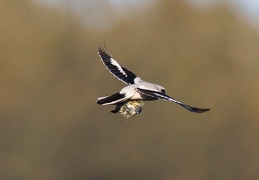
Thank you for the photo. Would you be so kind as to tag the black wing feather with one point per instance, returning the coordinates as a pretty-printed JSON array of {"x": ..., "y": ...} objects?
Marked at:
[
  {"x": 162, "y": 95},
  {"x": 117, "y": 70}
]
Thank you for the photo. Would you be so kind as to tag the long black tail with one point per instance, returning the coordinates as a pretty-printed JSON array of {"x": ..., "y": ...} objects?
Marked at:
[{"x": 113, "y": 99}]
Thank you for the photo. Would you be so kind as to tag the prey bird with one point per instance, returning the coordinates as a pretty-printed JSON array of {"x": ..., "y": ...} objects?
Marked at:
[{"x": 136, "y": 89}]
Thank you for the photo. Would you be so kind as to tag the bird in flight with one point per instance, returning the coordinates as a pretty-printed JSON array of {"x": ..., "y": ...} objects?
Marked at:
[{"x": 136, "y": 89}]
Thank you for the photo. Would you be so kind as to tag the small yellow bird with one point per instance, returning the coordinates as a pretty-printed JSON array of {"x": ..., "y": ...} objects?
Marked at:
[{"x": 129, "y": 108}]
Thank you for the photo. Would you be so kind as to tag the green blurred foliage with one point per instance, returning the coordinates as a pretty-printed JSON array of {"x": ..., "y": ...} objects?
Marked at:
[{"x": 51, "y": 75}]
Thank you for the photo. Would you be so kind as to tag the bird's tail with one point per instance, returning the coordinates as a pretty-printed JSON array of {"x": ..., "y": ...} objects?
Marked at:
[{"x": 109, "y": 100}]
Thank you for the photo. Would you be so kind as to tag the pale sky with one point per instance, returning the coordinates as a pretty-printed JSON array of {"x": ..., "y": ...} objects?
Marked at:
[
  {"x": 246, "y": 8},
  {"x": 249, "y": 8}
]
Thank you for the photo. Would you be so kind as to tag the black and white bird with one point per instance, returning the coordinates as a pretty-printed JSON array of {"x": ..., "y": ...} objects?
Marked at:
[{"x": 136, "y": 89}]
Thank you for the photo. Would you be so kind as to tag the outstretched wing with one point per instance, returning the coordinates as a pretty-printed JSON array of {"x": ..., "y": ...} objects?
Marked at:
[
  {"x": 162, "y": 95},
  {"x": 115, "y": 69}
]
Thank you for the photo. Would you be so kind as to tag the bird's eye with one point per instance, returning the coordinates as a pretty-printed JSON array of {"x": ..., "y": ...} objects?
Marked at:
[{"x": 163, "y": 90}]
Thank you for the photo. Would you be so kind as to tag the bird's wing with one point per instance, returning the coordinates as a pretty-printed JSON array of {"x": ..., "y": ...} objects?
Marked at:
[
  {"x": 115, "y": 69},
  {"x": 162, "y": 95}
]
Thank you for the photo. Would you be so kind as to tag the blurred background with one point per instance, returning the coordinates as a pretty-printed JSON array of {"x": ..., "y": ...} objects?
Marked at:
[{"x": 204, "y": 52}]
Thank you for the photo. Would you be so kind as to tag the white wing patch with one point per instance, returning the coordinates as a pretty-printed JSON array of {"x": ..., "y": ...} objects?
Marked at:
[
  {"x": 115, "y": 68},
  {"x": 137, "y": 80},
  {"x": 115, "y": 63}
]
